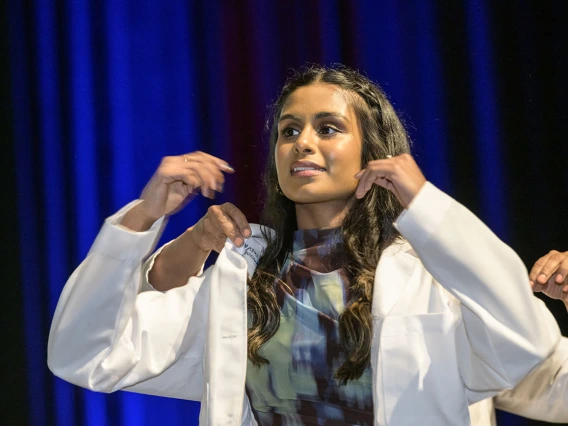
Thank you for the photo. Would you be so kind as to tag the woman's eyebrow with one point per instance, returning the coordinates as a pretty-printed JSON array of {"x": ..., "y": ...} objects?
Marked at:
[
  {"x": 288, "y": 117},
  {"x": 325, "y": 114},
  {"x": 317, "y": 116}
]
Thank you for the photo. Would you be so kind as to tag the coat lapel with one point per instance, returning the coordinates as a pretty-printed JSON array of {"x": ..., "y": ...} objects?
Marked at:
[
  {"x": 392, "y": 277},
  {"x": 226, "y": 350}
]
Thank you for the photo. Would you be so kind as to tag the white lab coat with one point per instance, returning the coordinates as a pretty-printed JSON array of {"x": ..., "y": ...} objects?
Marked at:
[{"x": 454, "y": 322}]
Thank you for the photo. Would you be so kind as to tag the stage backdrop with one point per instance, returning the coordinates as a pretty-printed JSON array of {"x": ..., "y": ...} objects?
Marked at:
[{"x": 102, "y": 90}]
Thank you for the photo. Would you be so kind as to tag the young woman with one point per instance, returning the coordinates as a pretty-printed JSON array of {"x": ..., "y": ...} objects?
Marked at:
[{"x": 374, "y": 298}]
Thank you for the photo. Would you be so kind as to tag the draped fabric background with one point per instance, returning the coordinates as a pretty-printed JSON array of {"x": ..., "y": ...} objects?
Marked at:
[{"x": 100, "y": 91}]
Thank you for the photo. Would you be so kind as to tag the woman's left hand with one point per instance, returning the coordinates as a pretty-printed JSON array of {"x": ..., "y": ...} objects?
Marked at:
[
  {"x": 550, "y": 275},
  {"x": 400, "y": 175}
]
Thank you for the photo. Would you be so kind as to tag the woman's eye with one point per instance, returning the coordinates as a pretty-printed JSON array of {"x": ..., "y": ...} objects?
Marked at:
[
  {"x": 327, "y": 130},
  {"x": 289, "y": 132}
]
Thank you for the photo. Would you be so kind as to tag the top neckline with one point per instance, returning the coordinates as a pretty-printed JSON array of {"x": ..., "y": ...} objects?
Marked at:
[{"x": 310, "y": 238}]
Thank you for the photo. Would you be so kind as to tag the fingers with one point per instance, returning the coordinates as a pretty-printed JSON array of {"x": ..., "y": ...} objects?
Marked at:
[
  {"x": 553, "y": 289},
  {"x": 373, "y": 173},
  {"x": 226, "y": 221},
  {"x": 535, "y": 270},
  {"x": 400, "y": 175},
  {"x": 190, "y": 179},
  {"x": 562, "y": 271},
  {"x": 218, "y": 227},
  {"x": 238, "y": 218},
  {"x": 211, "y": 179},
  {"x": 222, "y": 164},
  {"x": 546, "y": 266},
  {"x": 209, "y": 169},
  {"x": 203, "y": 157}
]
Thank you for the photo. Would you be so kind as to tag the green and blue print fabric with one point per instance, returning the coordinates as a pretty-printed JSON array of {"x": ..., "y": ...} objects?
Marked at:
[{"x": 298, "y": 386}]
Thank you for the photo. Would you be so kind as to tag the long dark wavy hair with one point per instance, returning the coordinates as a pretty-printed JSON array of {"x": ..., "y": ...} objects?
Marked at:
[{"x": 367, "y": 228}]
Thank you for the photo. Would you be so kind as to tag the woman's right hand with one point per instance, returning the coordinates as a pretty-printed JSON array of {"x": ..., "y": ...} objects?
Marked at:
[
  {"x": 176, "y": 180},
  {"x": 173, "y": 185},
  {"x": 218, "y": 224}
]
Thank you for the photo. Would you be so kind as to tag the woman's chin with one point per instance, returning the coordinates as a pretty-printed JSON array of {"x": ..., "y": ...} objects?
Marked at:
[{"x": 316, "y": 197}]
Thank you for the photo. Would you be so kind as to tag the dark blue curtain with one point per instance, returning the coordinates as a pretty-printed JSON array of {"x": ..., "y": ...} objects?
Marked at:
[{"x": 100, "y": 91}]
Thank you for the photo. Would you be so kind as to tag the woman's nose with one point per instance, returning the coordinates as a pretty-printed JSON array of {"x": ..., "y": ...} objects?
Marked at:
[{"x": 305, "y": 143}]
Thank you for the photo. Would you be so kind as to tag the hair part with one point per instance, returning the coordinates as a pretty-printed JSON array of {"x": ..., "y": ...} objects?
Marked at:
[{"x": 367, "y": 228}]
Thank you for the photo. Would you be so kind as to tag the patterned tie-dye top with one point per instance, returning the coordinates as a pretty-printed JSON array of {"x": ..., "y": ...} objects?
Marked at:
[{"x": 298, "y": 386}]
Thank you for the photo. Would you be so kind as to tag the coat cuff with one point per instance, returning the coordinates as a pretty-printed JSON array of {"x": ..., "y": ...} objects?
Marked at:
[
  {"x": 119, "y": 242},
  {"x": 424, "y": 214},
  {"x": 149, "y": 264}
]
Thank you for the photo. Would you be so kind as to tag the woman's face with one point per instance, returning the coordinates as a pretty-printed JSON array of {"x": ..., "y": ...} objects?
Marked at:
[{"x": 319, "y": 145}]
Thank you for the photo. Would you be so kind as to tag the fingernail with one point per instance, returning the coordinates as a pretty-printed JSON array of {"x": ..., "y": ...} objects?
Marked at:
[
  {"x": 246, "y": 233},
  {"x": 239, "y": 242},
  {"x": 565, "y": 289},
  {"x": 559, "y": 278},
  {"x": 227, "y": 167},
  {"x": 542, "y": 278},
  {"x": 531, "y": 283}
]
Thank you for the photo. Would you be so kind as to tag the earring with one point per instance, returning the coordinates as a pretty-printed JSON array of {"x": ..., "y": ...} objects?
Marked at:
[{"x": 278, "y": 190}]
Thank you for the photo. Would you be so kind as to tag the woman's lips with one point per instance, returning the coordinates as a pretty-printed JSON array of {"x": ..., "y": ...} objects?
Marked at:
[{"x": 307, "y": 173}]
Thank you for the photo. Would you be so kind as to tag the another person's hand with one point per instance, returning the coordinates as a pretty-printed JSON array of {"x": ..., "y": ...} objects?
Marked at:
[
  {"x": 549, "y": 275},
  {"x": 218, "y": 224},
  {"x": 174, "y": 184},
  {"x": 400, "y": 175}
]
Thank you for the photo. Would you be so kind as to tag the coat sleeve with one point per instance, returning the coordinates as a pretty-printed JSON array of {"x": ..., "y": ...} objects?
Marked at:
[
  {"x": 505, "y": 331},
  {"x": 106, "y": 336},
  {"x": 543, "y": 394}
]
